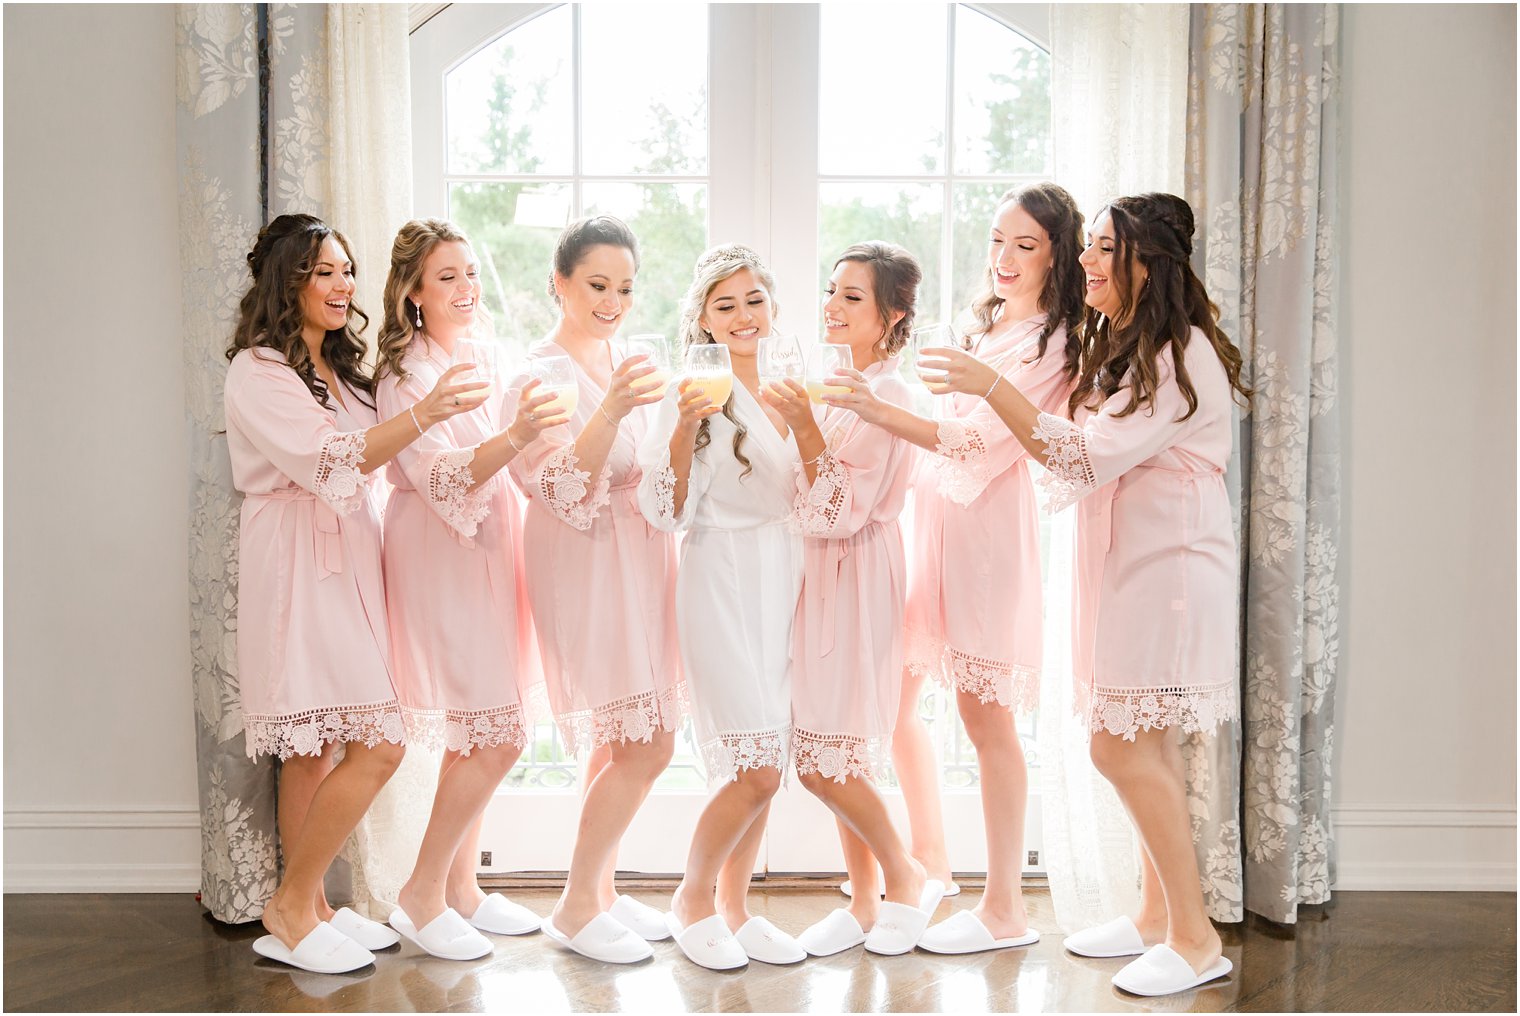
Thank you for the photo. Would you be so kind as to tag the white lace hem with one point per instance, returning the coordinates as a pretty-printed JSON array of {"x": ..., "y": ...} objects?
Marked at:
[
  {"x": 337, "y": 478},
  {"x": 837, "y": 756},
  {"x": 960, "y": 462},
  {"x": 1014, "y": 686},
  {"x": 563, "y": 489},
  {"x": 1194, "y": 708},
  {"x": 305, "y": 733},
  {"x": 449, "y": 491},
  {"x": 816, "y": 510},
  {"x": 725, "y": 755},
  {"x": 464, "y": 731},
  {"x": 1069, "y": 474},
  {"x": 665, "y": 491},
  {"x": 633, "y": 718}
]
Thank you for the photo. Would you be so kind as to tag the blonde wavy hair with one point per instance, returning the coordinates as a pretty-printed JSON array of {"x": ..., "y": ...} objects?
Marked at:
[
  {"x": 414, "y": 242},
  {"x": 717, "y": 265}
]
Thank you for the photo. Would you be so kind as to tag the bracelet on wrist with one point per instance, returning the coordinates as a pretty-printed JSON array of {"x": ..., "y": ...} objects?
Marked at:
[
  {"x": 606, "y": 415},
  {"x": 413, "y": 414},
  {"x": 995, "y": 383},
  {"x": 515, "y": 446}
]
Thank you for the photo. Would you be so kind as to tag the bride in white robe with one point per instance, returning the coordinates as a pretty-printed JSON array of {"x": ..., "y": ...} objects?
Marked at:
[{"x": 737, "y": 586}]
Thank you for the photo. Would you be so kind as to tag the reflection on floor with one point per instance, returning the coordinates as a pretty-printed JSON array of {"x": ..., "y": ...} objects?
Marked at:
[{"x": 1366, "y": 951}]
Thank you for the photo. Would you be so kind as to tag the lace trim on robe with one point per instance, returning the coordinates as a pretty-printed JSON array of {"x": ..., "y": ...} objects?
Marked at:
[
  {"x": 563, "y": 489},
  {"x": 960, "y": 462},
  {"x": 337, "y": 479},
  {"x": 1194, "y": 708},
  {"x": 815, "y": 511},
  {"x": 305, "y": 733},
  {"x": 725, "y": 755},
  {"x": 837, "y": 756},
  {"x": 449, "y": 491},
  {"x": 1014, "y": 686},
  {"x": 464, "y": 731},
  {"x": 1069, "y": 473},
  {"x": 633, "y": 718},
  {"x": 665, "y": 489}
]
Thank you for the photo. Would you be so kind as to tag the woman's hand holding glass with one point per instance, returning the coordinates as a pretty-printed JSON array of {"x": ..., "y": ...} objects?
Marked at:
[
  {"x": 849, "y": 389},
  {"x": 532, "y": 419},
  {"x": 631, "y": 388},
  {"x": 451, "y": 396},
  {"x": 955, "y": 371},
  {"x": 789, "y": 397}
]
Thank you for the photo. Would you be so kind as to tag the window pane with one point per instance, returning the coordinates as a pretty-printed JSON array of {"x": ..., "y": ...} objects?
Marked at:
[
  {"x": 974, "y": 205},
  {"x": 509, "y": 106},
  {"x": 670, "y": 220},
  {"x": 908, "y": 214},
  {"x": 1002, "y": 99},
  {"x": 644, "y": 89},
  {"x": 881, "y": 92},
  {"x": 513, "y": 228}
]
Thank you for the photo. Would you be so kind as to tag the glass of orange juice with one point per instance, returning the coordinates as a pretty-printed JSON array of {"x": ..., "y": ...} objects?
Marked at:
[
  {"x": 556, "y": 376},
  {"x": 487, "y": 358},
  {"x": 656, "y": 353},
  {"x": 708, "y": 368},
  {"x": 827, "y": 359}
]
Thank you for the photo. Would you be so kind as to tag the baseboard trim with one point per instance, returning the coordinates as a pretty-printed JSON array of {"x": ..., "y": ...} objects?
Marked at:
[
  {"x": 102, "y": 878},
  {"x": 1384, "y": 816},
  {"x": 103, "y": 818}
]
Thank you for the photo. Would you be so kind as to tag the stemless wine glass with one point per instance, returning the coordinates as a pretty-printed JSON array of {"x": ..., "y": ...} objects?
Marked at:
[
  {"x": 827, "y": 359},
  {"x": 657, "y": 353},
  {"x": 928, "y": 337},
  {"x": 556, "y": 376},
  {"x": 709, "y": 369},
  {"x": 487, "y": 356},
  {"x": 779, "y": 357}
]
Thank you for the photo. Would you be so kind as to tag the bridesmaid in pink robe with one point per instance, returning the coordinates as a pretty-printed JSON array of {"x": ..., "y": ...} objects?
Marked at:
[
  {"x": 846, "y": 668},
  {"x": 461, "y": 640},
  {"x": 1142, "y": 451},
  {"x": 313, "y": 667},
  {"x": 974, "y": 605},
  {"x": 602, "y": 584}
]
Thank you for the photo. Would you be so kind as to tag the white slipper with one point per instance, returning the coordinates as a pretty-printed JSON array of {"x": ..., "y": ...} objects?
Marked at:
[
  {"x": 640, "y": 918},
  {"x": 1118, "y": 937},
  {"x": 897, "y": 929},
  {"x": 324, "y": 950},
  {"x": 447, "y": 936},
  {"x": 708, "y": 943},
  {"x": 500, "y": 916},
  {"x": 761, "y": 940},
  {"x": 1162, "y": 971},
  {"x": 965, "y": 933},
  {"x": 372, "y": 935},
  {"x": 929, "y": 899},
  {"x": 834, "y": 934},
  {"x": 845, "y": 887},
  {"x": 603, "y": 938}
]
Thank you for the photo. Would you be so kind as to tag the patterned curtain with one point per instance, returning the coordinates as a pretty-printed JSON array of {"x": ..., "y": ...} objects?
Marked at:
[
  {"x": 1261, "y": 176},
  {"x": 254, "y": 115}
]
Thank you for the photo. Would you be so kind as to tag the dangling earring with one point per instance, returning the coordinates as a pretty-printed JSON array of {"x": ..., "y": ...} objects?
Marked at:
[{"x": 419, "y": 316}]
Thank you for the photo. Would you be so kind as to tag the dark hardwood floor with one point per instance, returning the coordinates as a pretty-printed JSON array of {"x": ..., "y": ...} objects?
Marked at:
[{"x": 1364, "y": 952}]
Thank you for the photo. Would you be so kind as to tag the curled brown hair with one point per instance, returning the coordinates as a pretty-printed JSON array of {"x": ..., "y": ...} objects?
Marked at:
[
  {"x": 895, "y": 276},
  {"x": 1156, "y": 231},
  {"x": 414, "y": 242},
  {"x": 282, "y": 260},
  {"x": 1061, "y": 298}
]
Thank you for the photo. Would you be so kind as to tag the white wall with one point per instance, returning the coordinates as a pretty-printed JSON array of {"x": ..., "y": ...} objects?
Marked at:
[
  {"x": 1426, "y": 718},
  {"x": 99, "y": 755},
  {"x": 99, "y": 737}
]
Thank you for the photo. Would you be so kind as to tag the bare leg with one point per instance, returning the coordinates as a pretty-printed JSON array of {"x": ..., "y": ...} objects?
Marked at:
[
  {"x": 613, "y": 797},
  {"x": 461, "y": 888},
  {"x": 864, "y": 822},
  {"x": 300, "y": 775},
  {"x": 732, "y": 897},
  {"x": 860, "y": 869},
  {"x": 1005, "y": 801},
  {"x": 465, "y": 786},
  {"x": 918, "y": 775},
  {"x": 340, "y": 801},
  {"x": 733, "y": 814},
  {"x": 1149, "y": 782}
]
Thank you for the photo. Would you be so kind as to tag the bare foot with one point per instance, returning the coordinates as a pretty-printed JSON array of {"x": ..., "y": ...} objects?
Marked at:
[
  {"x": 288, "y": 924},
  {"x": 571, "y": 915},
  {"x": 1008, "y": 922},
  {"x": 907, "y": 889},
  {"x": 323, "y": 909},
  {"x": 464, "y": 899},
  {"x": 1201, "y": 954},
  {"x": 421, "y": 907},
  {"x": 865, "y": 911},
  {"x": 936, "y": 867},
  {"x": 1152, "y": 928},
  {"x": 690, "y": 906}
]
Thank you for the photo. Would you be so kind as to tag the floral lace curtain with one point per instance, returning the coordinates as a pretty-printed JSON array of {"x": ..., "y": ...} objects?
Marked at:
[
  {"x": 246, "y": 154},
  {"x": 1261, "y": 176}
]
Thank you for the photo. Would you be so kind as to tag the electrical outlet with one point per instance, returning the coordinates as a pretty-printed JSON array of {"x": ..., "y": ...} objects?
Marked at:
[
  {"x": 485, "y": 858},
  {"x": 1034, "y": 857}
]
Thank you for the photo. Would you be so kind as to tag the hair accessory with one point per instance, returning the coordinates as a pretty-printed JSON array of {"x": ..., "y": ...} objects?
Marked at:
[{"x": 729, "y": 252}]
